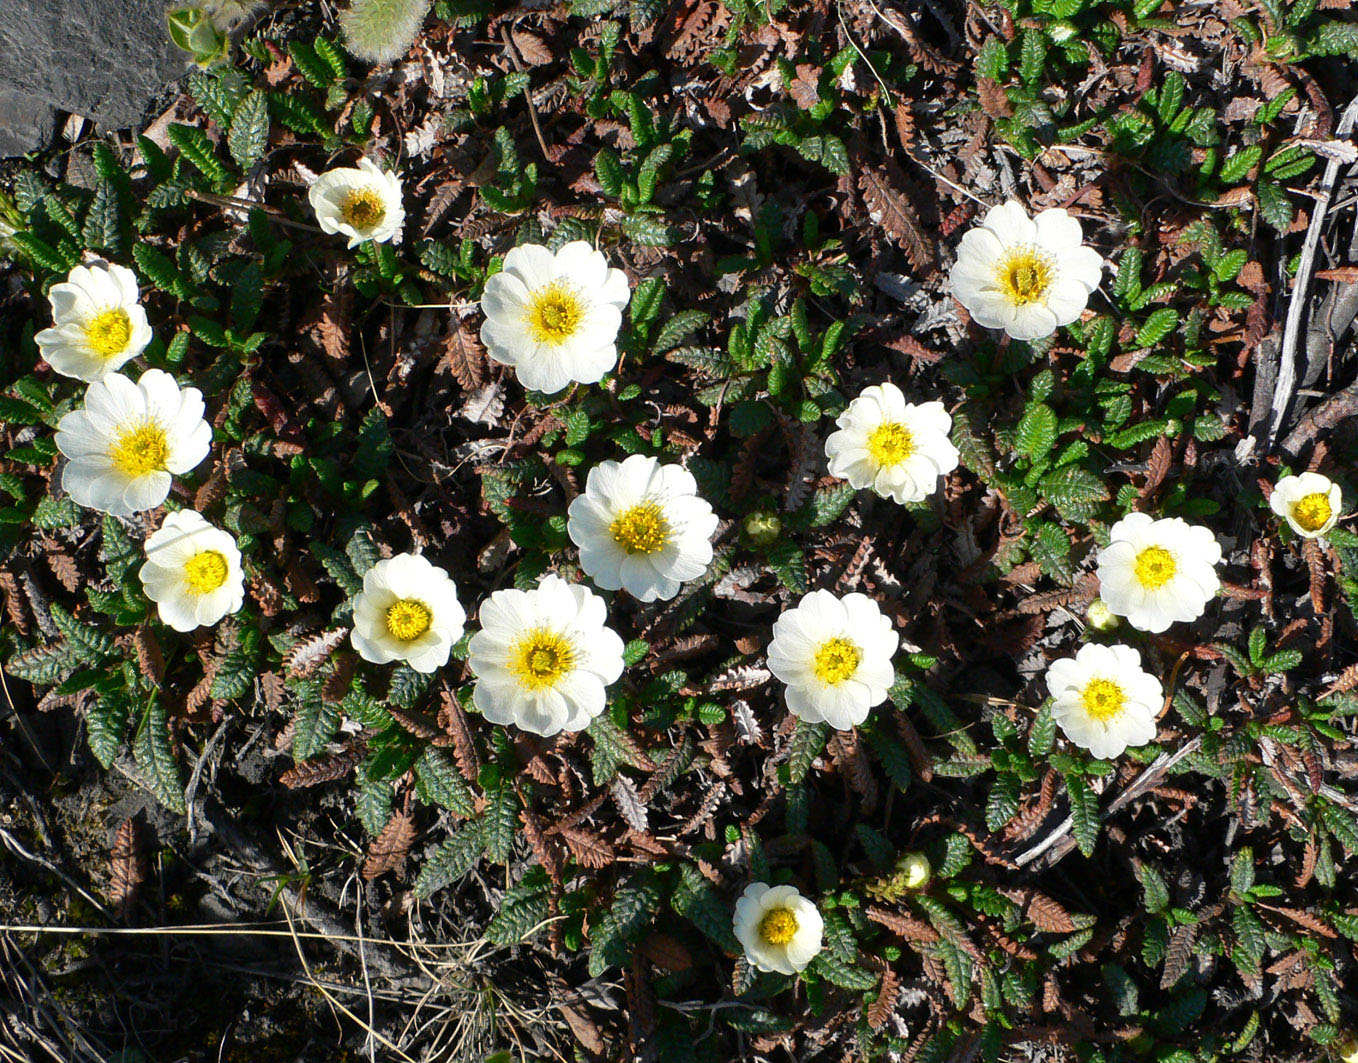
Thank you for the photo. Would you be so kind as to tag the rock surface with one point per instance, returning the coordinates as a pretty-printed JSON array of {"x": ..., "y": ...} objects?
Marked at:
[{"x": 103, "y": 59}]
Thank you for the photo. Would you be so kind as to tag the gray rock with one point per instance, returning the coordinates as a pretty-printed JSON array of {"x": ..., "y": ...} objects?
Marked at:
[{"x": 103, "y": 59}]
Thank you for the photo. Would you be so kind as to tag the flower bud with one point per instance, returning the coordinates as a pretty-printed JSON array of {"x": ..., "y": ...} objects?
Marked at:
[
  {"x": 914, "y": 870},
  {"x": 761, "y": 528},
  {"x": 1100, "y": 617}
]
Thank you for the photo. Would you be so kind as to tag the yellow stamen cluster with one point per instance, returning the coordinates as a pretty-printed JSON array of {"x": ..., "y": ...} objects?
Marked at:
[
  {"x": 642, "y": 529},
  {"x": 1026, "y": 276},
  {"x": 890, "y": 444},
  {"x": 363, "y": 208},
  {"x": 140, "y": 450},
  {"x": 1154, "y": 567},
  {"x": 836, "y": 660},
  {"x": 108, "y": 332},
  {"x": 408, "y": 619},
  {"x": 554, "y": 314},
  {"x": 1103, "y": 699},
  {"x": 205, "y": 571},
  {"x": 541, "y": 658},
  {"x": 778, "y": 927},
  {"x": 1312, "y": 511}
]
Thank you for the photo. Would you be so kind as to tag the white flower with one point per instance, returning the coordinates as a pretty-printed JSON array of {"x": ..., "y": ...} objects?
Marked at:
[
  {"x": 1157, "y": 572},
  {"x": 543, "y": 658},
  {"x": 554, "y": 318},
  {"x": 1309, "y": 502},
  {"x": 362, "y": 204},
  {"x": 1025, "y": 275},
  {"x": 407, "y": 611},
  {"x": 97, "y": 323},
  {"x": 834, "y": 654},
  {"x": 642, "y": 526},
  {"x": 894, "y": 447},
  {"x": 192, "y": 572},
  {"x": 127, "y": 440},
  {"x": 1102, "y": 699},
  {"x": 778, "y": 927}
]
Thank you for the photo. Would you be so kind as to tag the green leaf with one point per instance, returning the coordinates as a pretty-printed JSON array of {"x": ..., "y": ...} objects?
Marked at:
[
  {"x": 1238, "y": 164},
  {"x": 249, "y": 135},
  {"x": 807, "y": 742},
  {"x": 523, "y": 909},
  {"x": 236, "y": 675},
  {"x": 311, "y": 65},
  {"x": 315, "y": 722},
  {"x": 958, "y": 966},
  {"x": 634, "y": 907},
  {"x": 451, "y": 860},
  {"x": 156, "y": 758},
  {"x": 789, "y": 564},
  {"x": 1153, "y": 888},
  {"x": 1159, "y": 325},
  {"x": 1274, "y": 206},
  {"x": 608, "y": 170},
  {"x": 1036, "y": 434},
  {"x": 501, "y": 822},
  {"x": 106, "y": 726},
  {"x": 679, "y": 328},
  {"x": 437, "y": 782},
  {"x": 649, "y": 230},
  {"x": 1051, "y": 550},
  {"x": 194, "y": 145},
  {"x": 845, "y": 975},
  {"x": 1084, "y": 810},
  {"x": 104, "y": 225},
  {"x": 84, "y": 640},
  {"x": 1076, "y": 492}
]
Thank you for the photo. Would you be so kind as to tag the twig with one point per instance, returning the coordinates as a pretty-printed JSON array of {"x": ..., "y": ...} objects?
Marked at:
[
  {"x": 1286, "y": 381},
  {"x": 1060, "y": 842},
  {"x": 251, "y": 204},
  {"x": 15, "y": 846},
  {"x": 527, "y": 94}
]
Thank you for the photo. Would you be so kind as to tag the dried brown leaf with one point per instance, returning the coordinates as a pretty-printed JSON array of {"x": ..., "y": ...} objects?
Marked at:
[
  {"x": 128, "y": 868},
  {"x": 890, "y": 209},
  {"x": 389, "y": 849}
]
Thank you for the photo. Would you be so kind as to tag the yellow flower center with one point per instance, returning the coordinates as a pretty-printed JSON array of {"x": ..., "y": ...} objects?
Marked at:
[
  {"x": 1103, "y": 699},
  {"x": 541, "y": 658},
  {"x": 140, "y": 450},
  {"x": 642, "y": 529},
  {"x": 890, "y": 444},
  {"x": 1025, "y": 276},
  {"x": 108, "y": 332},
  {"x": 205, "y": 571},
  {"x": 363, "y": 208},
  {"x": 554, "y": 314},
  {"x": 778, "y": 927},
  {"x": 408, "y": 619},
  {"x": 1312, "y": 511},
  {"x": 1154, "y": 567},
  {"x": 836, "y": 660}
]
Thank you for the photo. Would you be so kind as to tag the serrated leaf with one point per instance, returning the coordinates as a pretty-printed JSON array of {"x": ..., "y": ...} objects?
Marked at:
[
  {"x": 451, "y": 860},
  {"x": 1036, "y": 433},
  {"x": 155, "y": 757},
  {"x": 249, "y": 135},
  {"x": 438, "y": 782},
  {"x": 1084, "y": 810},
  {"x": 523, "y": 910}
]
